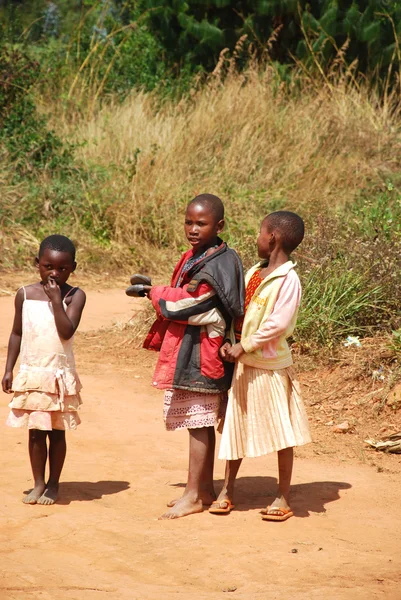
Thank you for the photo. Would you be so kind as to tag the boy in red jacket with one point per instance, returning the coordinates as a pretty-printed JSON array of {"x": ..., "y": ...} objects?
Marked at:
[{"x": 193, "y": 315}]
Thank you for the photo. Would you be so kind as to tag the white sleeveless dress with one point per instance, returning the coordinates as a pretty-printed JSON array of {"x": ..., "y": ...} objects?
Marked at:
[{"x": 46, "y": 389}]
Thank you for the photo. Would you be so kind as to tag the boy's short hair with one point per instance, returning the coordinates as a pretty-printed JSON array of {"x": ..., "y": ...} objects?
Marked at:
[
  {"x": 60, "y": 243},
  {"x": 213, "y": 203},
  {"x": 291, "y": 228}
]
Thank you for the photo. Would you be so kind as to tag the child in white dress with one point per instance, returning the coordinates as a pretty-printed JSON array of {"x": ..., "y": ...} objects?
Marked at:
[
  {"x": 265, "y": 411},
  {"x": 46, "y": 389}
]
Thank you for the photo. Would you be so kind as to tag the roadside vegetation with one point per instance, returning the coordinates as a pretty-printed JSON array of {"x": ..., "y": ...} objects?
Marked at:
[{"x": 111, "y": 120}]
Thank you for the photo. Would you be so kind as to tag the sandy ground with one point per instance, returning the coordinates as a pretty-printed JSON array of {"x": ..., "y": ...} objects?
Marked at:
[{"x": 103, "y": 541}]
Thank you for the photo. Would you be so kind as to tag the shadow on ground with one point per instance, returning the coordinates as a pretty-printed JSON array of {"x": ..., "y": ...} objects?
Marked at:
[
  {"x": 85, "y": 491},
  {"x": 256, "y": 492}
]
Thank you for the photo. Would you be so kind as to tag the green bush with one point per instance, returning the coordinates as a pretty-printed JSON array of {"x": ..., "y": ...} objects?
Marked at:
[
  {"x": 25, "y": 140},
  {"x": 337, "y": 302},
  {"x": 353, "y": 286},
  {"x": 54, "y": 191}
]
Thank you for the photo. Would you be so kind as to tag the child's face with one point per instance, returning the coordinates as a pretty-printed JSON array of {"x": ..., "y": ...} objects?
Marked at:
[
  {"x": 265, "y": 240},
  {"x": 201, "y": 227},
  {"x": 55, "y": 265}
]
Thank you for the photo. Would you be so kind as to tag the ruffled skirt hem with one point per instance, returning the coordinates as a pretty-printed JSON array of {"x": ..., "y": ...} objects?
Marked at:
[
  {"x": 33, "y": 400},
  {"x": 43, "y": 420}
]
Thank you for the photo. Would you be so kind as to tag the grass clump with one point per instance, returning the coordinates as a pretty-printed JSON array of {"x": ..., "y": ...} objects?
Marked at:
[
  {"x": 337, "y": 303},
  {"x": 351, "y": 285}
]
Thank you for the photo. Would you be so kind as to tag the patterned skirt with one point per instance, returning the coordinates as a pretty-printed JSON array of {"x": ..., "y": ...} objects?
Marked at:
[
  {"x": 184, "y": 409},
  {"x": 265, "y": 413}
]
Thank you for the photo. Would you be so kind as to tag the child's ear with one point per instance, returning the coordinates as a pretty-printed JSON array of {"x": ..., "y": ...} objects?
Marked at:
[
  {"x": 74, "y": 266},
  {"x": 37, "y": 262},
  {"x": 220, "y": 225},
  {"x": 277, "y": 239}
]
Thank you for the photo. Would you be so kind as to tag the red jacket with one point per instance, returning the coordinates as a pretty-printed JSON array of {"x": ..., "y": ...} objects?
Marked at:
[{"x": 192, "y": 320}]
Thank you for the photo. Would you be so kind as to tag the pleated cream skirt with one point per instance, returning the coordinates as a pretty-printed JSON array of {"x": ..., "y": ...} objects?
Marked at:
[{"x": 265, "y": 413}]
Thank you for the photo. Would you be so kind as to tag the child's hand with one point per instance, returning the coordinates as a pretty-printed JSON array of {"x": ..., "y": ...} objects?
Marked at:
[
  {"x": 223, "y": 351},
  {"x": 235, "y": 352},
  {"x": 147, "y": 290},
  {"x": 52, "y": 290},
  {"x": 7, "y": 382}
]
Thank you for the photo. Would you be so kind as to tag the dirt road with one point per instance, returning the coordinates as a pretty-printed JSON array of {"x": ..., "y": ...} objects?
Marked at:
[{"x": 102, "y": 541}]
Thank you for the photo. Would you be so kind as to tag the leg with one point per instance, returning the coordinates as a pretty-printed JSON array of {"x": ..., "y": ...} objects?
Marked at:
[
  {"x": 207, "y": 485},
  {"x": 57, "y": 452},
  {"x": 198, "y": 456},
  {"x": 38, "y": 456},
  {"x": 285, "y": 464},
  {"x": 207, "y": 493},
  {"x": 224, "y": 502}
]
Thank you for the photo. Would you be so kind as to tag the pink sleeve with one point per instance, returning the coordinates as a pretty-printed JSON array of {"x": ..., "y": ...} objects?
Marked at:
[{"x": 286, "y": 305}]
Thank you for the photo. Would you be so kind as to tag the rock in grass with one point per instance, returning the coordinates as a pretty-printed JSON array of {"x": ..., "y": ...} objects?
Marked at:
[{"x": 342, "y": 428}]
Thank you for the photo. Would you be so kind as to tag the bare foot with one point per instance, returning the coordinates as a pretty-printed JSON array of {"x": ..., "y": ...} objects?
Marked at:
[
  {"x": 34, "y": 494},
  {"x": 183, "y": 507},
  {"x": 206, "y": 497},
  {"x": 50, "y": 494}
]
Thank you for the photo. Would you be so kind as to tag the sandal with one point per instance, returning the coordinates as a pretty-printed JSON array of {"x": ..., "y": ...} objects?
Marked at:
[
  {"x": 221, "y": 507},
  {"x": 270, "y": 513}
]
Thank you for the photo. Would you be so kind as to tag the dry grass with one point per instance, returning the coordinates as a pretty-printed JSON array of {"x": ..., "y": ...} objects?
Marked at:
[
  {"x": 247, "y": 141},
  {"x": 245, "y": 137}
]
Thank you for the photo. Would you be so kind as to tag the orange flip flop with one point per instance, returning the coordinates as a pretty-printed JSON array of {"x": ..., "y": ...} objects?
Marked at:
[
  {"x": 221, "y": 507},
  {"x": 268, "y": 515}
]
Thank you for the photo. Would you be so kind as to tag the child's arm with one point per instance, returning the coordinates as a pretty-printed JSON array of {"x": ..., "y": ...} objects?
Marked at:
[
  {"x": 67, "y": 320},
  {"x": 193, "y": 308},
  {"x": 279, "y": 320},
  {"x": 14, "y": 343}
]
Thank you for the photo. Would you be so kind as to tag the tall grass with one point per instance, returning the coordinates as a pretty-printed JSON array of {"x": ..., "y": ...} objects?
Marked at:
[
  {"x": 337, "y": 303},
  {"x": 247, "y": 141},
  {"x": 261, "y": 146}
]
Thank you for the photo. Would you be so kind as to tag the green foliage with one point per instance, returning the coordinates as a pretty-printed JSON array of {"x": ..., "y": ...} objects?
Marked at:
[
  {"x": 24, "y": 137},
  {"x": 337, "y": 302},
  {"x": 115, "y": 45},
  {"x": 396, "y": 341},
  {"x": 379, "y": 217},
  {"x": 354, "y": 289},
  {"x": 55, "y": 192},
  {"x": 311, "y": 31},
  {"x": 82, "y": 52}
]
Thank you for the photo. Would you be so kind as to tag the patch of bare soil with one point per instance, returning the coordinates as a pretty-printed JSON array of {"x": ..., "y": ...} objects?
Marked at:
[
  {"x": 350, "y": 398},
  {"x": 103, "y": 541}
]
